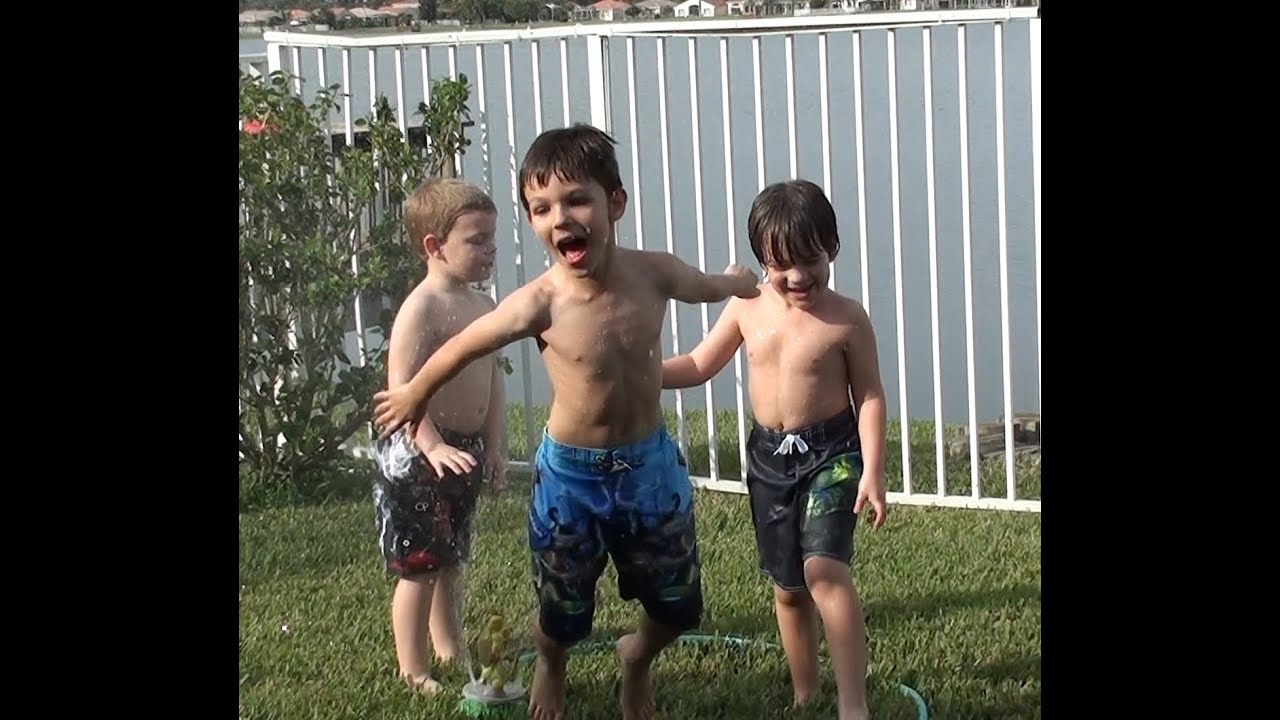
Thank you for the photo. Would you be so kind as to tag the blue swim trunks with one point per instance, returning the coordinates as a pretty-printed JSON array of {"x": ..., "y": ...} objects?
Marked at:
[{"x": 632, "y": 503}]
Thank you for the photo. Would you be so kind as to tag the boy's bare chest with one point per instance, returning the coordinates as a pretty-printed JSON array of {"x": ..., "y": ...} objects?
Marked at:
[
  {"x": 452, "y": 315},
  {"x": 793, "y": 344},
  {"x": 606, "y": 326}
]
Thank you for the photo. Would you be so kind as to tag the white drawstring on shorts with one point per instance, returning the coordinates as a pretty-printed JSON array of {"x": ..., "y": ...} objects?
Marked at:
[{"x": 789, "y": 442}]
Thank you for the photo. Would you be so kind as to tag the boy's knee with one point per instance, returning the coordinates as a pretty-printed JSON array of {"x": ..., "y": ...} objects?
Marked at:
[
  {"x": 823, "y": 574},
  {"x": 565, "y": 630},
  {"x": 791, "y": 598},
  {"x": 680, "y": 614},
  {"x": 425, "y": 578}
]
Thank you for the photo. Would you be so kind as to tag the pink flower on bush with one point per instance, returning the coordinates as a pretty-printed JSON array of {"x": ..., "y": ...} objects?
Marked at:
[{"x": 258, "y": 127}]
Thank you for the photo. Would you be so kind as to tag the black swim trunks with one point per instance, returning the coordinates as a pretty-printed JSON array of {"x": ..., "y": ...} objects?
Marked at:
[
  {"x": 631, "y": 503},
  {"x": 424, "y": 521},
  {"x": 803, "y": 484}
]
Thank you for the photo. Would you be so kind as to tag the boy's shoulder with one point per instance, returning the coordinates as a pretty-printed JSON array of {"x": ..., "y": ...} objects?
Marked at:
[
  {"x": 483, "y": 298},
  {"x": 848, "y": 304}
]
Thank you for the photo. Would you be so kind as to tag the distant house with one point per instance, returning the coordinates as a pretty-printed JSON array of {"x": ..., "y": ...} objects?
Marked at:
[
  {"x": 404, "y": 7},
  {"x": 258, "y": 18},
  {"x": 655, "y": 8},
  {"x": 553, "y": 12},
  {"x": 581, "y": 11},
  {"x": 700, "y": 8},
  {"x": 368, "y": 16},
  {"x": 610, "y": 10}
]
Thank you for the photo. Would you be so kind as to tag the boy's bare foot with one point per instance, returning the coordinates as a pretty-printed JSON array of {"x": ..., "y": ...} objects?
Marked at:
[
  {"x": 546, "y": 694},
  {"x": 636, "y": 698},
  {"x": 854, "y": 713},
  {"x": 423, "y": 684},
  {"x": 803, "y": 698}
]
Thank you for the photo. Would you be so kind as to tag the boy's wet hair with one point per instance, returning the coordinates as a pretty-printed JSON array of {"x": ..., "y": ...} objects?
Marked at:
[
  {"x": 574, "y": 154},
  {"x": 436, "y": 205},
  {"x": 792, "y": 223}
]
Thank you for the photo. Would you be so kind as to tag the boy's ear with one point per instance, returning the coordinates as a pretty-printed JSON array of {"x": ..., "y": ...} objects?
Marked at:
[
  {"x": 617, "y": 204},
  {"x": 431, "y": 246}
]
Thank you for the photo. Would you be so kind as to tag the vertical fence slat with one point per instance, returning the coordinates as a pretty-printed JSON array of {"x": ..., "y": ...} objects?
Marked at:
[
  {"x": 525, "y": 376},
  {"x": 696, "y": 128},
  {"x": 295, "y": 55},
  {"x": 1034, "y": 43},
  {"x": 730, "y": 225},
  {"x": 904, "y": 419},
  {"x": 940, "y": 457},
  {"x": 373, "y": 79},
  {"x": 425, "y": 62},
  {"x": 401, "y": 121},
  {"x": 759, "y": 110},
  {"x": 789, "y": 46},
  {"x": 634, "y": 199},
  {"x": 322, "y": 77},
  {"x": 664, "y": 121},
  {"x": 486, "y": 154},
  {"x": 535, "y": 64},
  {"x": 962, "y": 68},
  {"x": 859, "y": 142},
  {"x": 453, "y": 75},
  {"x": 598, "y": 82},
  {"x": 824, "y": 109},
  {"x": 1002, "y": 203},
  {"x": 564, "y": 80}
]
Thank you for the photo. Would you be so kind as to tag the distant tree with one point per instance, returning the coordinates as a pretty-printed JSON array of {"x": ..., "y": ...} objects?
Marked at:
[
  {"x": 428, "y": 11},
  {"x": 519, "y": 11}
]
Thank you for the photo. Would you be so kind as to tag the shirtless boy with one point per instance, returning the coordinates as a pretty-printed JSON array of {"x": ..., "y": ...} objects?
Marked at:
[
  {"x": 809, "y": 350},
  {"x": 425, "y": 495},
  {"x": 608, "y": 481}
]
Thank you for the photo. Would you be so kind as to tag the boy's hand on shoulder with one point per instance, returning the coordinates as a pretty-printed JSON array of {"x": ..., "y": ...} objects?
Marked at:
[
  {"x": 871, "y": 490},
  {"x": 394, "y": 409},
  {"x": 749, "y": 282}
]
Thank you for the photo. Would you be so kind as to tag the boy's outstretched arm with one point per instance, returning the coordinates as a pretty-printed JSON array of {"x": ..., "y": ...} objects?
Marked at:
[
  {"x": 411, "y": 338},
  {"x": 710, "y": 356},
  {"x": 524, "y": 313},
  {"x": 688, "y": 284},
  {"x": 494, "y": 431},
  {"x": 863, "y": 363}
]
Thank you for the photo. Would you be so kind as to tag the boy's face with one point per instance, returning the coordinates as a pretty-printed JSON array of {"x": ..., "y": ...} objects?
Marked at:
[
  {"x": 469, "y": 250},
  {"x": 799, "y": 284},
  {"x": 574, "y": 220}
]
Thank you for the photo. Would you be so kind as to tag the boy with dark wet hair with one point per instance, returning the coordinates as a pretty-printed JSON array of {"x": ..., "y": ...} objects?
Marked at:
[
  {"x": 813, "y": 461},
  {"x": 608, "y": 479}
]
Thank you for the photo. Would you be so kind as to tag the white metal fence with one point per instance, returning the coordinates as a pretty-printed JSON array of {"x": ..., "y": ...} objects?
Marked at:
[{"x": 923, "y": 127}]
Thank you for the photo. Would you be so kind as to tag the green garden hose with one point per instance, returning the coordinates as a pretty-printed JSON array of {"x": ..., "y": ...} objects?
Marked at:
[{"x": 477, "y": 709}]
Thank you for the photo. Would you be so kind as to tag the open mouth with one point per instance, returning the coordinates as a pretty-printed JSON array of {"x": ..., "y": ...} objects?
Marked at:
[
  {"x": 573, "y": 249},
  {"x": 799, "y": 290}
]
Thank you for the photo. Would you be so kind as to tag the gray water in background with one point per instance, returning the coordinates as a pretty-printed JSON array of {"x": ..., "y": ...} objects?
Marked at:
[{"x": 844, "y": 192}]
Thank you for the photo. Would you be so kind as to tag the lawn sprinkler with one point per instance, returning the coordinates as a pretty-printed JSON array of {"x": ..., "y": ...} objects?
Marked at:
[{"x": 496, "y": 691}]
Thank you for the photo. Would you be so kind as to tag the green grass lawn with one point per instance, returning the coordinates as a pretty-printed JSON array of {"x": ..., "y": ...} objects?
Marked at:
[{"x": 952, "y": 597}]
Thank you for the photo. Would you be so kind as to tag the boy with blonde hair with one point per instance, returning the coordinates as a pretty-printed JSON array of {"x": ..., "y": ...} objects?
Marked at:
[
  {"x": 813, "y": 461},
  {"x": 608, "y": 479},
  {"x": 429, "y": 479}
]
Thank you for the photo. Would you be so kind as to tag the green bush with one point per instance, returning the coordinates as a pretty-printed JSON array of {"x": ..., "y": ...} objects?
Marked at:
[{"x": 308, "y": 205}]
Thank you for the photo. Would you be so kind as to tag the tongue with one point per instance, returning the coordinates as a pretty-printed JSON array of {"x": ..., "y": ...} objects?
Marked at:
[{"x": 575, "y": 255}]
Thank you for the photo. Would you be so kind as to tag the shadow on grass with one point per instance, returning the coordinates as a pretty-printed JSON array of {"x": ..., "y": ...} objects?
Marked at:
[
  {"x": 889, "y": 611},
  {"x": 1022, "y": 669}
]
